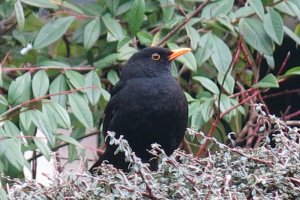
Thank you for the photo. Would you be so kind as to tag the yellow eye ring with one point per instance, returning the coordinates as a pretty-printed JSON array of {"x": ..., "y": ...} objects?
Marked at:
[{"x": 155, "y": 56}]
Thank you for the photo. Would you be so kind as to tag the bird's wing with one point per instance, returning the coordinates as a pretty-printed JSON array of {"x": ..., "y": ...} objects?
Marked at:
[{"x": 112, "y": 106}]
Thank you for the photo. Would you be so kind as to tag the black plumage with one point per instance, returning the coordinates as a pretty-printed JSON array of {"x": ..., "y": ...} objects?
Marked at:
[{"x": 147, "y": 106}]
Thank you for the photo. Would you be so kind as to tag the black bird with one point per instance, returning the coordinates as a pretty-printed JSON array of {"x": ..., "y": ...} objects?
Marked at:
[{"x": 147, "y": 106}]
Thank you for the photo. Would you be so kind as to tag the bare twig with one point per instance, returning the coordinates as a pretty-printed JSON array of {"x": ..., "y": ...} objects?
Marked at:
[{"x": 187, "y": 19}]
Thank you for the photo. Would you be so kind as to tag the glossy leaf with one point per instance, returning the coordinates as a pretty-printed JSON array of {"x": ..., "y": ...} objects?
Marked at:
[
  {"x": 228, "y": 83},
  {"x": 91, "y": 33},
  {"x": 221, "y": 55},
  {"x": 52, "y": 31},
  {"x": 254, "y": 34},
  {"x": 26, "y": 118},
  {"x": 76, "y": 79},
  {"x": 113, "y": 27},
  {"x": 206, "y": 109},
  {"x": 145, "y": 37},
  {"x": 43, "y": 147},
  {"x": 258, "y": 7},
  {"x": 168, "y": 9},
  {"x": 205, "y": 48},
  {"x": 113, "y": 77},
  {"x": 135, "y": 15},
  {"x": 291, "y": 34},
  {"x": 69, "y": 140},
  {"x": 106, "y": 61},
  {"x": 273, "y": 25},
  {"x": 19, "y": 14},
  {"x": 19, "y": 90},
  {"x": 269, "y": 81},
  {"x": 60, "y": 115},
  {"x": 81, "y": 109},
  {"x": 41, "y": 3},
  {"x": 217, "y": 8},
  {"x": 293, "y": 71},
  {"x": 207, "y": 84},
  {"x": 59, "y": 85},
  {"x": 11, "y": 150},
  {"x": 40, "y": 84},
  {"x": 193, "y": 35},
  {"x": 93, "y": 94},
  {"x": 43, "y": 126}
]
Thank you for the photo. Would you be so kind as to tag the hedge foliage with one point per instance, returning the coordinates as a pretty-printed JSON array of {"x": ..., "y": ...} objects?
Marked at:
[{"x": 59, "y": 60}]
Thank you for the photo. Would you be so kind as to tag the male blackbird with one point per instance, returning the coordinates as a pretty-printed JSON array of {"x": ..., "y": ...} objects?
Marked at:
[{"x": 147, "y": 106}]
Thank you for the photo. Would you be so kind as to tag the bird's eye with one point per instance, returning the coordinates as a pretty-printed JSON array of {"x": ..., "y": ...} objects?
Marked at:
[{"x": 155, "y": 56}]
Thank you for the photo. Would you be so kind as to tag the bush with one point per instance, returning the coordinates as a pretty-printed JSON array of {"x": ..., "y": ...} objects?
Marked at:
[
  {"x": 229, "y": 173},
  {"x": 59, "y": 60}
]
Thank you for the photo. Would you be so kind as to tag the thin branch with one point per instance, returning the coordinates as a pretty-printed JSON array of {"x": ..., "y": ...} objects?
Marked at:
[
  {"x": 215, "y": 124},
  {"x": 282, "y": 67},
  {"x": 41, "y": 98},
  {"x": 83, "y": 68},
  {"x": 63, "y": 144},
  {"x": 283, "y": 93},
  {"x": 173, "y": 31},
  {"x": 290, "y": 116}
]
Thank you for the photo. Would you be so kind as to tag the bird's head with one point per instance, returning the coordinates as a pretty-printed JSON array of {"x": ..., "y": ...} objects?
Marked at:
[{"x": 151, "y": 61}]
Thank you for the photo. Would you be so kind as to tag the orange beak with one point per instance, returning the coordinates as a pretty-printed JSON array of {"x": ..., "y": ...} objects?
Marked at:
[{"x": 178, "y": 52}]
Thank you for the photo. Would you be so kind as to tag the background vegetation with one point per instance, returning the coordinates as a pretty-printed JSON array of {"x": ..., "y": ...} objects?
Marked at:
[{"x": 59, "y": 59}]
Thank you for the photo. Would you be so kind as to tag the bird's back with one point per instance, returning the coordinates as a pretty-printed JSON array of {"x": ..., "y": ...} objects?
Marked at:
[{"x": 152, "y": 110}]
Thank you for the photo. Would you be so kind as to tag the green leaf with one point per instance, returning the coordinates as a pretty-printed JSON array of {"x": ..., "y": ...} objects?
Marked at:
[
  {"x": 69, "y": 140},
  {"x": 205, "y": 48},
  {"x": 91, "y": 33},
  {"x": 187, "y": 59},
  {"x": 217, "y": 8},
  {"x": 145, "y": 38},
  {"x": 43, "y": 125},
  {"x": 221, "y": 55},
  {"x": 26, "y": 118},
  {"x": 11, "y": 130},
  {"x": 273, "y": 25},
  {"x": 60, "y": 114},
  {"x": 291, "y": 34},
  {"x": 59, "y": 84},
  {"x": 135, "y": 16},
  {"x": 168, "y": 7},
  {"x": 258, "y": 7},
  {"x": 197, "y": 121},
  {"x": 43, "y": 147},
  {"x": 40, "y": 84},
  {"x": 207, "y": 84},
  {"x": 113, "y": 5},
  {"x": 3, "y": 194},
  {"x": 11, "y": 151},
  {"x": 193, "y": 35},
  {"x": 52, "y": 31},
  {"x": 41, "y": 3},
  {"x": 19, "y": 90},
  {"x": 106, "y": 61},
  {"x": 269, "y": 81},
  {"x": 19, "y": 14},
  {"x": 71, "y": 6},
  {"x": 293, "y": 71},
  {"x": 76, "y": 79},
  {"x": 81, "y": 110},
  {"x": 206, "y": 109},
  {"x": 93, "y": 94},
  {"x": 228, "y": 83},
  {"x": 254, "y": 34},
  {"x": 113, "y": 77},
  {"x": 225, "y": 105},
  {"x": 114, "y": 28}
]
